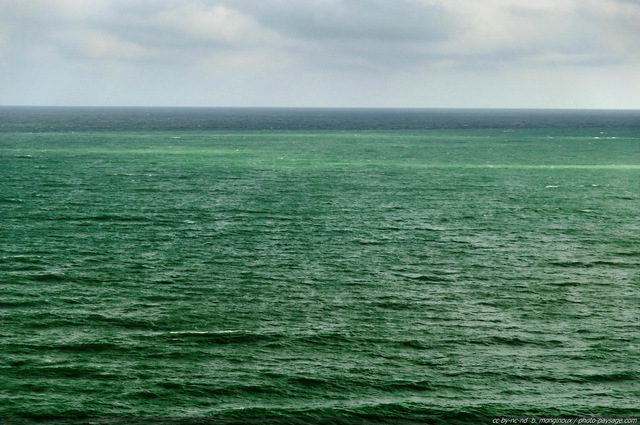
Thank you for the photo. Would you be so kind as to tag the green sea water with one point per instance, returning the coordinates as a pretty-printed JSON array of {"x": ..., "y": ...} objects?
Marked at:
[{"x": 444, "y": 275}]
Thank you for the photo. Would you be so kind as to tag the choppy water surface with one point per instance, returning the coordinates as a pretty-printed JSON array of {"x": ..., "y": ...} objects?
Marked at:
[{"x": 300, "y": 265}]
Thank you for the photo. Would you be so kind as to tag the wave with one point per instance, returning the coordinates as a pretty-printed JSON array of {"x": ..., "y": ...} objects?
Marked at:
[
  {"x": 416, "y": 344},
  {"x": 320, "y": 340},
  {"x": 11, "y": 201},
  {"x": 223, "y": 336},
  {"x": 86, "y": 347},
  {"x": 627, "y": 375},
  {"x": 49, "y": 277},
  {"x": 375, "y": 413},
  {"x": 22, "y": 304},
  {"x": 396, "y": 305},
  {"x": 72, "y": 372},
  {"x": 74, "y": 347},
  {"x": 398, "y": 413},
  {"x": 518, "y": 341},
  {"x": 591, "y": 264},
  {"x": 426, "y": 278},
  {"x": 100, "y": 217}
]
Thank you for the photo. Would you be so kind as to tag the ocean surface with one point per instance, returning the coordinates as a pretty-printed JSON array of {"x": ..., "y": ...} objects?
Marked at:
[{"x": 302, "y": 266}]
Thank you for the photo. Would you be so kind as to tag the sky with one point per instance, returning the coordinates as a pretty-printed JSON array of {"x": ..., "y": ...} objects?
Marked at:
[{"x": 321, "y": 53}]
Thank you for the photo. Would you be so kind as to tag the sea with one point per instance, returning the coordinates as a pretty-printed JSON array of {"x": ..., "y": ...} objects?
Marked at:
[{"x": 319, "y": 266}]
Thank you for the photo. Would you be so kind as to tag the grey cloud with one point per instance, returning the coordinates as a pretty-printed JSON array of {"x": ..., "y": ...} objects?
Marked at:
[
  {"x": 354, "y": 34},
  {"x": 300, "y": 44},
  {"x": 395, "y": 34},
  {"x": 553, "y": 33},
  {"x": 370, "y": 34},
  {"x": 186, "y": 31},
  {"x": 357, "y": 35},
  {"x": 373, "y": 20}
]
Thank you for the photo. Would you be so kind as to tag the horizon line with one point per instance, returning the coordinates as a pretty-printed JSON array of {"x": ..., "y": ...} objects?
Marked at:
[{"x": 433, "y": 108}]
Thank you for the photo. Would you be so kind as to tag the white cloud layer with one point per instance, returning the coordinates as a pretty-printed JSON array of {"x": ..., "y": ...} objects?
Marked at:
[{"x": 414, "y": 53}]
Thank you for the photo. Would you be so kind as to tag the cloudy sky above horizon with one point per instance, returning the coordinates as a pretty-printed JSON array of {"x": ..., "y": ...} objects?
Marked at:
[{"x": 321, "y": 53}]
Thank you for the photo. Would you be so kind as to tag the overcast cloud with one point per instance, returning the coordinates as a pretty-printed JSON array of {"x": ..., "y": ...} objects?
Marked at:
[{"x": 378, "y": 53}]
